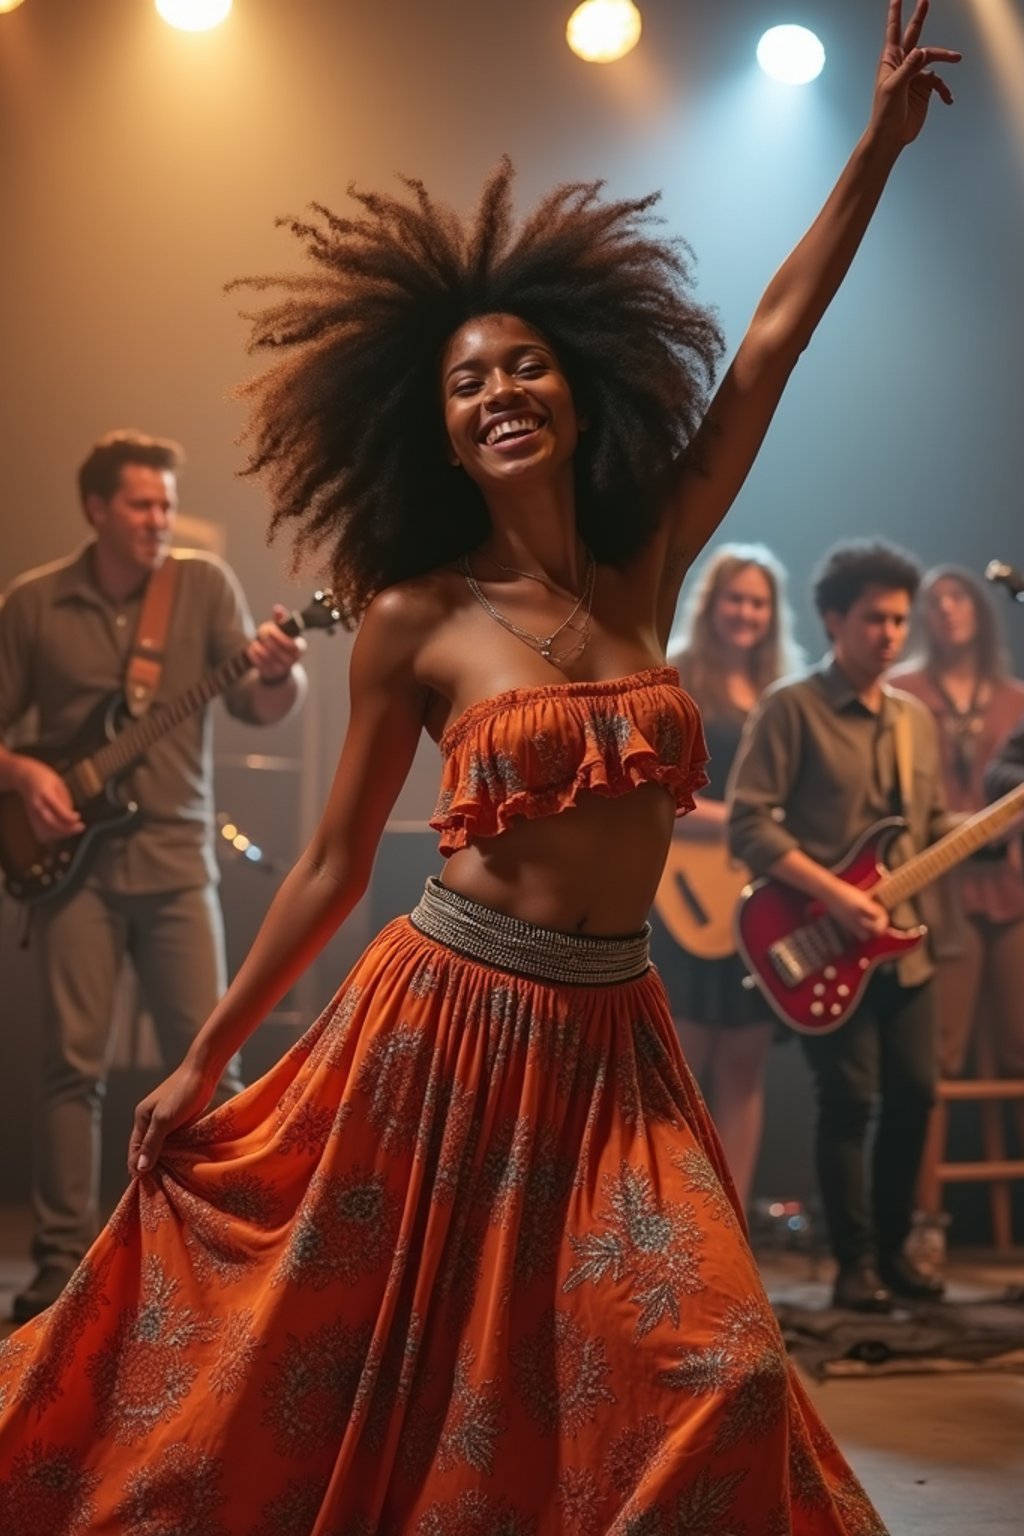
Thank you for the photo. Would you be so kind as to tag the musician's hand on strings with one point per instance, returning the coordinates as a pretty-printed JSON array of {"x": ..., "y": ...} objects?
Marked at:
[
  {"x": 856, "y": 911},
  {"x": 273, "y": 652},
  {"x": 179, "y": 1099},
  {"x": 48, "y": 802}
]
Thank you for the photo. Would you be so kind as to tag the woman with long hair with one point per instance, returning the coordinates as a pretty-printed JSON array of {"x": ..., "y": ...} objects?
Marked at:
[
  {"x": 962, "y": 675},
  {"x": 735, "y": 637},
  {"x": 468, "y": 1260}
]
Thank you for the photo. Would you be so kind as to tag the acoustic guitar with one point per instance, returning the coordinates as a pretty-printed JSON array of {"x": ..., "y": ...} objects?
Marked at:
[
  {"x": 698, "y": 895},
  {"x": 95, "y": 762}
]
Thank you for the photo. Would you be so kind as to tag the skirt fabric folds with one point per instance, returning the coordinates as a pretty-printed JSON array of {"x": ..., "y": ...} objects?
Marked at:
[{"x": 466, "y": 1262}]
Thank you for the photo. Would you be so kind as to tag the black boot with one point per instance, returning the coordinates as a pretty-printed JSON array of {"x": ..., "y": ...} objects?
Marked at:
[
  {"x": 860, "y": 1288},
  {"x": 907, "y": 1279}
]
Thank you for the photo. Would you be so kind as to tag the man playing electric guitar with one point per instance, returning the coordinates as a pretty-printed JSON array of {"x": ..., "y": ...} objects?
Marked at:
[
  {"x": 66, "y": 633},
  {"x": 824, "y": 758}
]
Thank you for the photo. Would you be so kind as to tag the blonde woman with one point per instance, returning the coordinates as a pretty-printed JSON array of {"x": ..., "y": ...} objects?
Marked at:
[{"x": 733, "y": 640}]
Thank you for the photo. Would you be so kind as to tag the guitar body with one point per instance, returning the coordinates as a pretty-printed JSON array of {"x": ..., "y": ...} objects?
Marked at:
[
  {"x": 35, "y": 871},
  {"x": 698, "y": 894},
  {"x": 811, "y": 971}
]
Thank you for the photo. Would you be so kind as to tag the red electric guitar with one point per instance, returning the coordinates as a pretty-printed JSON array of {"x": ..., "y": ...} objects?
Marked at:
[
  {"x": 809, "y": 968},
  {"x": 93, "y": 766}
]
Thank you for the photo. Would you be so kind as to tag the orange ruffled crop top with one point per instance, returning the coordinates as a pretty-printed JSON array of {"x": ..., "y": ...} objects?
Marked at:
[{"x": 532, "y": 751}]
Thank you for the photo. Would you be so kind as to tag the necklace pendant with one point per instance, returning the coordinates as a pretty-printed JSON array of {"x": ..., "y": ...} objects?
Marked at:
[{"x": 545, "y": 650}]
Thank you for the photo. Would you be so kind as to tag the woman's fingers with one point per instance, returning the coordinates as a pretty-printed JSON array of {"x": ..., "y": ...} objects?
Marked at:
[
  {"x": 140, "y": 1125},
  {"x": 146, "y": 1139},
  {"x": 914, "y": 25},
  {"x": 150, "y": 1149}
]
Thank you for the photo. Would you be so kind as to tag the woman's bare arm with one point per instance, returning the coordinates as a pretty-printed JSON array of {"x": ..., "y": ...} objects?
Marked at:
[
  {"x": 387, "y": 705},
  {"x": 794, "y": 302}
]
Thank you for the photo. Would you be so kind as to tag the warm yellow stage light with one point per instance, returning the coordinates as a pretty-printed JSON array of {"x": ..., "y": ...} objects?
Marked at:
[
  {"x": 194, "y": 15},
  {"x": 601, "y": 31},
  {"x": 9, "y": 5},
  {"x": 1002, "y": 31}
]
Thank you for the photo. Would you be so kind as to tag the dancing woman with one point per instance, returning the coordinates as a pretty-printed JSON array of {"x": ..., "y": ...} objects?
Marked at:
[
  {"x": 735, "y": 638},
  {"x": 466, "y": 1260}
]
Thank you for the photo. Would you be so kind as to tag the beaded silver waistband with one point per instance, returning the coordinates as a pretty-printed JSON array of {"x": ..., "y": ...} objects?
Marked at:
[{"x": 512, "y": 944}]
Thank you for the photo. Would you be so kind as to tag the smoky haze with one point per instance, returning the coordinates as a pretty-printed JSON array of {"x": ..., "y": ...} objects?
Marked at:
[{"x": 143, "y": 167}]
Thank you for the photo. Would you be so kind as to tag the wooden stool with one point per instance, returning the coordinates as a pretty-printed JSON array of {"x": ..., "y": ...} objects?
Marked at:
[{"x": 990, "y": 1093}]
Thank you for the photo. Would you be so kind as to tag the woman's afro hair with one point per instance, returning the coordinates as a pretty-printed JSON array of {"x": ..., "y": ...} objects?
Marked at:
[{"x": 347, "y": 425}]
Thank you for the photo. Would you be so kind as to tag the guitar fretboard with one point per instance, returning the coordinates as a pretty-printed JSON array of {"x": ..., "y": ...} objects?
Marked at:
[
  {"x": 949, "y": 851},
  {"x": 135, "y": 740}
]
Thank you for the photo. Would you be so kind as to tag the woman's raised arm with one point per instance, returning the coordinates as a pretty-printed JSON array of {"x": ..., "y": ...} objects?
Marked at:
[
  {"x": 795, "y": 300},
  {"x": 328, "y": 880}
]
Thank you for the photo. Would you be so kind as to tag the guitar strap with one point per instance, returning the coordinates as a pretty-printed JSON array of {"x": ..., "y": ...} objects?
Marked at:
[
  {"x": 942, "y": 909},
  {"x": 904, "y": 757},
  {"x": 146, "y": 658}
]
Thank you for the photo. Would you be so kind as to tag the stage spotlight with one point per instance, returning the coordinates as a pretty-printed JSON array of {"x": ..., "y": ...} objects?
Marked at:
[
  {"x": 602, "y": 31},
  {"x": 9, "y": 5},
  {"x": 791, "y": 55},
  {"x": 194, "y": 15}
]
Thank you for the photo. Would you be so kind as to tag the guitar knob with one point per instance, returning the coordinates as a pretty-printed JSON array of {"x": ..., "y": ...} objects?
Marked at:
[
  {"x": 836, "y": 1010},
  {"x": 817, "y": 1009},
  {"x": 36, "y": 870},
  {"x": 863, "y": 962},
  {"x": 842, "y": 990},
  {"x": 819, "y": 989},
  {"x": 65, "y": 857},
  {"x": 829, "y": 973}
]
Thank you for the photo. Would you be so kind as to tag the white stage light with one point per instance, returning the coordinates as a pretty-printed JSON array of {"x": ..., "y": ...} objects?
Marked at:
[
  {"x": 791, "y": 55},
  {"x": 194, "y": 15},
  {"x": 602, "y": 31},
  {"x": 9, "y": 5}
]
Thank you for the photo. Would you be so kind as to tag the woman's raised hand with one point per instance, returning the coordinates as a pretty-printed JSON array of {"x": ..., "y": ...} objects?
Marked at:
[{"x": 906, "y": 79}]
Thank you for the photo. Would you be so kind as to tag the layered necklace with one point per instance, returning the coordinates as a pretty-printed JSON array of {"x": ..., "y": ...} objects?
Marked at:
[{"x": 577, "y": 623}]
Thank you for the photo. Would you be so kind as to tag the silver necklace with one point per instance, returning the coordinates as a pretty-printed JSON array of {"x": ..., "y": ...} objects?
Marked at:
[{"x": 543, "y": 643}]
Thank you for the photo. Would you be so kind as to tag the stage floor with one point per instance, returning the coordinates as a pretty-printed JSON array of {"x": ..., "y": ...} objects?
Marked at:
[{"x": 941, "y": 1453}]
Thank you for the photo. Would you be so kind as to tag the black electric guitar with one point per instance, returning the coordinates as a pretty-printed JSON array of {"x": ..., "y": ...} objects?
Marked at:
[{"x": 94, "y": 763}]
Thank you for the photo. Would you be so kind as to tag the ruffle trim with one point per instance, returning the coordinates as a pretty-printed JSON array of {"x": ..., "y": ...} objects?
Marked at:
[
  {"x": 559, "y": 748},
  {"x": 516, "y": 698}
]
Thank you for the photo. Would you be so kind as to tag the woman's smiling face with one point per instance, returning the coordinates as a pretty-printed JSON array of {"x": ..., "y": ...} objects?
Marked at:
[{"x": 508, "y": 408}]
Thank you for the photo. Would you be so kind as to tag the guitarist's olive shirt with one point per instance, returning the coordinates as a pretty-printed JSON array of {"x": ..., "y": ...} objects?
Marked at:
[
  {"x": 64, "y": 649},
  {"x": 816, "y": 768}
]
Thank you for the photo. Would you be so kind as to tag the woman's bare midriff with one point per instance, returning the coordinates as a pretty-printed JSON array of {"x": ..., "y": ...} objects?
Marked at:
[{"x": 592, "y": 869}]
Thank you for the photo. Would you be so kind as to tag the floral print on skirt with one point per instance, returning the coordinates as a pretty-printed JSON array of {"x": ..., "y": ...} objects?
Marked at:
[{"x": 466, "y": 1262}]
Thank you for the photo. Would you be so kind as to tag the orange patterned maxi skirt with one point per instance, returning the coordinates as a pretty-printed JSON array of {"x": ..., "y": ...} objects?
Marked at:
[{"x": 466, "y": 1262}]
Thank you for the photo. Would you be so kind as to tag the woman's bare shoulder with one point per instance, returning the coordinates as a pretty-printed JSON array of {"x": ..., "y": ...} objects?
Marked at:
[{"x": 414, "y": 608}]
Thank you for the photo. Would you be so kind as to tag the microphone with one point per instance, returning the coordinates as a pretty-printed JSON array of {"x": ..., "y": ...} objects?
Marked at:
[{"x": 1003, "y": 575}]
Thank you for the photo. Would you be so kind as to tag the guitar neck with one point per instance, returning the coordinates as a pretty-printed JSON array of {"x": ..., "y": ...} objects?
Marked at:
[
  {"x": 949, "y": 851},
  {"x": 135, "y": 740}
]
